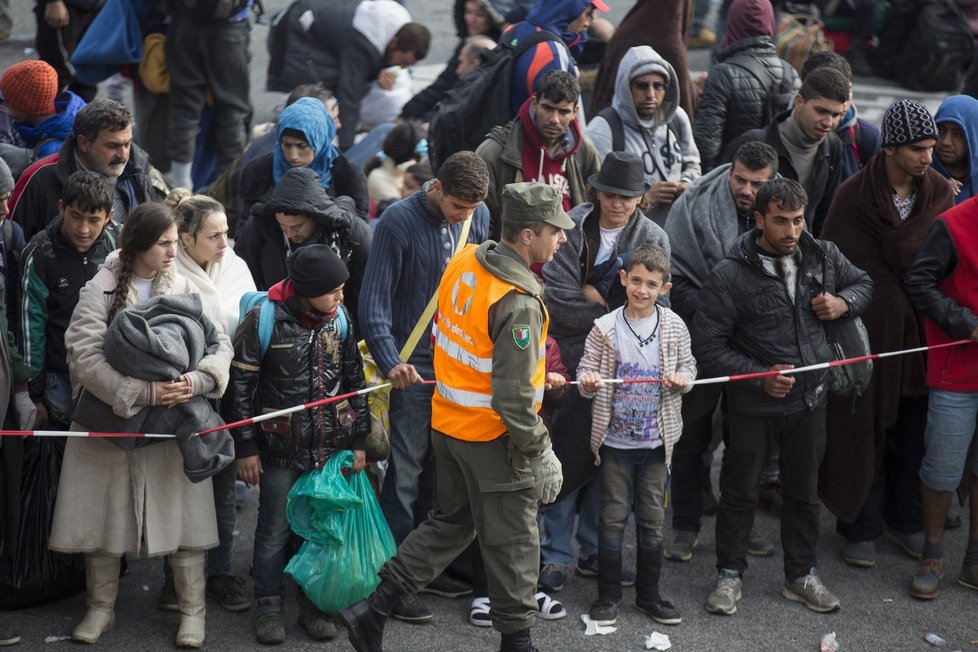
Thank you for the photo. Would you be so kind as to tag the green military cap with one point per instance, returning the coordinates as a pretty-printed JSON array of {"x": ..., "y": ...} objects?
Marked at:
[{"x": 535, "y": 202}]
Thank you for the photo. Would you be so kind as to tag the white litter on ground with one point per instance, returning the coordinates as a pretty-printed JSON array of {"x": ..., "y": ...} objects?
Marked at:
[
  {"x": 657, "y": 641},
  {"x": 592, "y": 628}
]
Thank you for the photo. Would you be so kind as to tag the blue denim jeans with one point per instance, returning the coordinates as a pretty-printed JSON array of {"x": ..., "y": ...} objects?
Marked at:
[
  {"x": 410, "y": 415},
  {"x": 225, "y": 507},
  {"x": 950, "y": 429},
  {"x": 632, "y": 477},
  {"x": 272, "y": 532},
  {"x": 557, "y": 525}
]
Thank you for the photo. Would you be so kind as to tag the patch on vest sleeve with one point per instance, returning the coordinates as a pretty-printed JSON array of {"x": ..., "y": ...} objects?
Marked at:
[{"x": 521, "y": 337}]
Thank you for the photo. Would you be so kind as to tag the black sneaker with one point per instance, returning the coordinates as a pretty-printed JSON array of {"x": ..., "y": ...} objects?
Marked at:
[
  {"x": 229, "y": 591},
  {"x": 445, "y": 586},
  {"x": 661, "y": 611},
  {"x": 588, "y": 567},
  {"x": 168, "y": 596},
  {"x": 411, "y": 610},
  {"x": 603, "y": 612}
]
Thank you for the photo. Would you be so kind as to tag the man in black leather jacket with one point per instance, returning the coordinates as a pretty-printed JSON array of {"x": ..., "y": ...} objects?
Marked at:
[{"x": 761, "y": 309}]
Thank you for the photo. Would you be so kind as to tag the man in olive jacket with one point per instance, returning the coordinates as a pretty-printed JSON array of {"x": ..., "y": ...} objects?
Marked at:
[{"x": 493, "y": 456}]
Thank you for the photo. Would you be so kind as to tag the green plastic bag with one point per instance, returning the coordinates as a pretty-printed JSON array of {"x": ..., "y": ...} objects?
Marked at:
[
  {"x": 318, "y": 497},
  {"x": 334, "y": 576}
]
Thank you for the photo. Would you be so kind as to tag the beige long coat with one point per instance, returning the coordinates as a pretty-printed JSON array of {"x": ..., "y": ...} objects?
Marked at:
[{"x": 111, "y": 499}]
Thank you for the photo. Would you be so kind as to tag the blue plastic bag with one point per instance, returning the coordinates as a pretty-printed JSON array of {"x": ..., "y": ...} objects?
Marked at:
[
  {"x": 334, "y": 576},
  {"x": 317, "y": 499}
]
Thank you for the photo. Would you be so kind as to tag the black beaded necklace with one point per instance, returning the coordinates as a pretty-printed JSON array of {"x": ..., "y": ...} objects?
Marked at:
[{"x": 643, "y": 341}]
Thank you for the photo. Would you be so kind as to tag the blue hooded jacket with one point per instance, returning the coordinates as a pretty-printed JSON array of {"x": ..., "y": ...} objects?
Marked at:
[
  {"x": 52, "y": 133},
  {"x": 962, "y": 110},
  {"x": 309, "y": 116},
  {"x": 552, "y": 16}
]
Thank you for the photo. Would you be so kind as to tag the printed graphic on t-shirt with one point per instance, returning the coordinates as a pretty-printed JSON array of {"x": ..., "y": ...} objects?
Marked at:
[{"x": 634, "y": 407}]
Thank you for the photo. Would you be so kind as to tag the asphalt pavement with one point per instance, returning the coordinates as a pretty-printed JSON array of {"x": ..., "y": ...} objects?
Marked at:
[{"x": 877, "y": 612}]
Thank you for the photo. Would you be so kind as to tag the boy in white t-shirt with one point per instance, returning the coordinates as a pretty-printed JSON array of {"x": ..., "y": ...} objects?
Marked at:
[{"x": 635, "y": 426}]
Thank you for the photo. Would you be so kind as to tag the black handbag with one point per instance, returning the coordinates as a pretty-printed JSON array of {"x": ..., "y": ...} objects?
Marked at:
[{"x": 848, "y": 338}]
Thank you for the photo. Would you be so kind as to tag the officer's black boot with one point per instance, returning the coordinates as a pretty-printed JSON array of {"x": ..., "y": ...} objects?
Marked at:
[
  {"x": 364, "y": 621},
  {"x": 647, "y": 596},
  {"x": 518, "y": 642}
]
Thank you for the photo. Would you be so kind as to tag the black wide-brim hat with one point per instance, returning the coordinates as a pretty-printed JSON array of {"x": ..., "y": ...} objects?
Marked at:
[{"x": 622, "y": 173}]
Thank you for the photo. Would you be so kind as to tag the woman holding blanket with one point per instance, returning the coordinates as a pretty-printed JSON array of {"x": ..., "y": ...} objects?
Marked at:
[
  {"x": 222, "y": 278},
  {"x": 117, "y": 495}
]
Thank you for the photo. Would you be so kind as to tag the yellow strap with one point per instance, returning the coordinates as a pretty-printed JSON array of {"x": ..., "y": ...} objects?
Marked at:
[{"x": 429, "y": 311}]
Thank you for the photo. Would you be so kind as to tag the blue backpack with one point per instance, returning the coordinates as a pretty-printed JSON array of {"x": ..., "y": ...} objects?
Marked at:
[{"x": 266, "y": 318}]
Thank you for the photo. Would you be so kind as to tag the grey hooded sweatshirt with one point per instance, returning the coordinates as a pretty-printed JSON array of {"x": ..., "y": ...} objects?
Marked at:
[{"x": 665, "y": 143}]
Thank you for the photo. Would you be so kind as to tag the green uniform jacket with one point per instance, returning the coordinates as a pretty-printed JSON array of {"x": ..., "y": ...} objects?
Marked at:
[{"x": 512, "y": 367}]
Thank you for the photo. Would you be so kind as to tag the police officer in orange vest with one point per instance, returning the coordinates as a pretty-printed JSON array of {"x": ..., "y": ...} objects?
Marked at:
[{"x": 493, "y": 458}]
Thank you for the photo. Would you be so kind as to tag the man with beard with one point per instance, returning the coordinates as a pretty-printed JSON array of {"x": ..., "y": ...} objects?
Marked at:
[
  {"x": 543, "y": 143},
  {"x": 879, "y": 219},
  {"x": 100, "y": 141},
  {"x": 702, "y": 226},
  {"x": 763, "y": 308}
]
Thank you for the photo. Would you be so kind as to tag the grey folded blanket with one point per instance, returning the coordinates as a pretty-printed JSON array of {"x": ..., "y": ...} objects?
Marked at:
[{"x": 159, "y": 340}]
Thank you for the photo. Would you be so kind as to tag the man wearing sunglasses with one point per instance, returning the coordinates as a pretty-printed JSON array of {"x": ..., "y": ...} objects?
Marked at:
[{"x": 645, "y": 119}]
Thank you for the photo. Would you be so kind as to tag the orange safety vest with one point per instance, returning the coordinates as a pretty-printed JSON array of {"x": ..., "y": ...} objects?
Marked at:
[{"x": 461, "y": 406}]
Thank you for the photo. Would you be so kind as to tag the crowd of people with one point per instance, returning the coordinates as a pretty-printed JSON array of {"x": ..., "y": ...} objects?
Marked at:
[{"x": 162, "y": 274}]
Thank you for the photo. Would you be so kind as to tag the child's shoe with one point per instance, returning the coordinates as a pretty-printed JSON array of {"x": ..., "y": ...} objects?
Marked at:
[
  {"x": 604, "y": 612},
  {"x": 661, "y": 611}
]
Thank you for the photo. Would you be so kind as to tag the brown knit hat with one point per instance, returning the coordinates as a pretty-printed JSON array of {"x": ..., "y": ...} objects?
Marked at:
[{"x": 30, "y": 86}]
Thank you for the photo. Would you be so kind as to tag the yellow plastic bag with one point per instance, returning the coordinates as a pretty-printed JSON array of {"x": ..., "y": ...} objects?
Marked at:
[{"x": 379, "y": 401}]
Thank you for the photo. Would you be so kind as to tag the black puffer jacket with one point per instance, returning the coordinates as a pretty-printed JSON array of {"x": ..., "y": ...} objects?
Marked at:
[
  {"x": 746, "y": 322},
  {"x": 300, "y": 366},
  {"x": 263, "y": 246},
  {"x": 733, "y": 99}
]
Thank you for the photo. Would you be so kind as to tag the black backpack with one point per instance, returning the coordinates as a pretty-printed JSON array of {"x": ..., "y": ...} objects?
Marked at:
[
  {"x": 779, "y": 91},
  {"x": 924, "y": 45},
  {"x": 478, "y": 102}
]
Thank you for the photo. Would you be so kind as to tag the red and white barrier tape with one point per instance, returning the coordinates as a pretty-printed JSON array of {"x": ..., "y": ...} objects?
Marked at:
[
  {"x": 334, "y": 399},
  {"x": 789, "y": 372}
]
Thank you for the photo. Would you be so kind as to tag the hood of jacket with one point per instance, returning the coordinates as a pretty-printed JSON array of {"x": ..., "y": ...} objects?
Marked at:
[
  {"x": 755, "y": 45},
  {"x": 554, "y": 16},
  {"x": 379, "y": 20},
  {"x": 642, "y": 60},
  {"x": 504, "y": 266},
  {"x": 300, "y": 193},
  {"x": 962, "y": 110},
  {"x": 748, "y": 18},
  {"x": 312, "y": 118},
  {"x": 58, "y": 126}
]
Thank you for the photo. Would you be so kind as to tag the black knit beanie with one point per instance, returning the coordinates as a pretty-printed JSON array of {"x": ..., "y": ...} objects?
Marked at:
[
  {"x": 906, "y": 122},
  {"x": 316, "y": 270}
]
